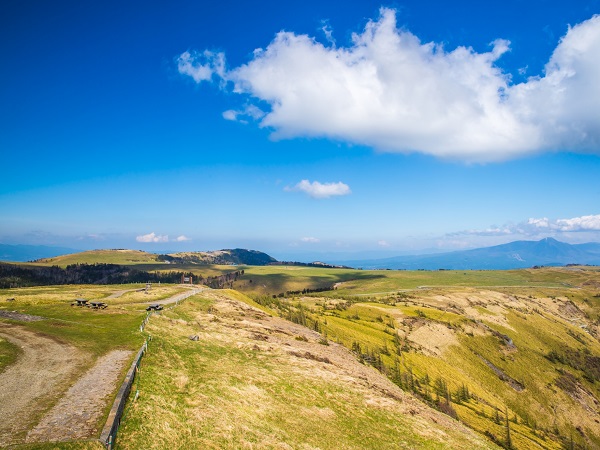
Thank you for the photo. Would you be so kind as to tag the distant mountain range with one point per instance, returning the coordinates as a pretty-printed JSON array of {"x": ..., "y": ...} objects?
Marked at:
[{"x": 514, "y": 255}]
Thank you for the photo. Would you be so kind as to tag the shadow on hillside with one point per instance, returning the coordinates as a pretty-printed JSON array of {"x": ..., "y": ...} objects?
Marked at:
[{"x": 276, "y": 283}]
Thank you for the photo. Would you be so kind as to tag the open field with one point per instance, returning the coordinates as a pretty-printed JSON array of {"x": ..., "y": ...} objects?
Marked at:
[
  {"x": 276, "y": 279},
  {"x": 124, "y": 257}
]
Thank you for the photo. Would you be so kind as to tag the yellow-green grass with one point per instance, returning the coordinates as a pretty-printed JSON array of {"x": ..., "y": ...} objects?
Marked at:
[
  {"x": 535, "y": 333},
  {"x": 9, "y": 353},
  {"x": 227, "y": 392},
  {"x": 349, "y": 283},
  {"x": 79, "y": 445},
  {"x": 278, "y": 279},
  {"x": 199, "y": 270},
  {"x": 382, "y": 282},
  {"x": 123, "y": 257},
  {"x": 95, "y": 331}
]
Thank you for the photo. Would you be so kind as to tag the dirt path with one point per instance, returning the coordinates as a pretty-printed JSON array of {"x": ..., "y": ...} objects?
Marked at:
[
  {"x": 77, "y": 414},
  {"x": 178, "y": 297},
  {"x": 37, "y": 378},
  {"x": 117, "y": 294}
]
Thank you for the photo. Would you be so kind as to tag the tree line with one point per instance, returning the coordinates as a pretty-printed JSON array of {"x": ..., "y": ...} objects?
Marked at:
[{"x": 14, "y": 276}]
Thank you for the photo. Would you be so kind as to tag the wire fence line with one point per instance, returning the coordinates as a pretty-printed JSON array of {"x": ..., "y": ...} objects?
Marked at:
[{"x": 109, "y": 432}]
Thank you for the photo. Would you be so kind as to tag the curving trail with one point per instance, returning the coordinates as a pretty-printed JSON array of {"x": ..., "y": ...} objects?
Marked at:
[
  {"x": 178, "y": 297},
  {"x": 30, "y": 385}
]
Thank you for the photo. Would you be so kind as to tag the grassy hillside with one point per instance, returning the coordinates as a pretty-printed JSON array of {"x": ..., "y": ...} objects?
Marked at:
[
  {"x": 254, "y": 381},
  {"x": 514, "y": 356},
  {"x": 136, "y": 257},
  {"x": 123, "y": 257},
  {"x": 523, "y": 345},
  {"x": 280, "y": 279}
]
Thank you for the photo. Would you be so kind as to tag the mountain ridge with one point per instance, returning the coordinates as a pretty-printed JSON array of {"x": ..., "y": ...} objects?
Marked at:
[{"x": 512, "y": 255}]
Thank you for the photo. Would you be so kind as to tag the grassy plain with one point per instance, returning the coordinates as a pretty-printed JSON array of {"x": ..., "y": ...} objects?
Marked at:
[{"x": 96, "y": 331}]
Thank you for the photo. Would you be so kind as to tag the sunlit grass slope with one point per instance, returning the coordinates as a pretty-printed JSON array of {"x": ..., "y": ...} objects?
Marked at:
[
  {"x": 523, "y": 345},
  {"x": 256, "y": 382},
  {"x": 123, "y": 257}
]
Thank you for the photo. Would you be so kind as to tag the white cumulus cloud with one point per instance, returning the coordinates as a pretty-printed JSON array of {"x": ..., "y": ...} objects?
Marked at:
[
  {"x": 390, "y": 91},
  {"x": 182, "y": 238},
  {"x": 316, "y": 189},
  {"x": 152, "y": 237}
]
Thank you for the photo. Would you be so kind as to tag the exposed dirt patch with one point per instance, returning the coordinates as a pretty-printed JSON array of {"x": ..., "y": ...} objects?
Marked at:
[
  {"x": 13, "y": 315},
  {"x": 433, "y": 337},
  {"x": 77, "y": 414},
  {"x": 35, "y": 381}
]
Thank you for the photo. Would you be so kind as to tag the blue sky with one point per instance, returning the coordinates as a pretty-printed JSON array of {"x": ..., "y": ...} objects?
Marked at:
[{"x": 359, "y": 126}]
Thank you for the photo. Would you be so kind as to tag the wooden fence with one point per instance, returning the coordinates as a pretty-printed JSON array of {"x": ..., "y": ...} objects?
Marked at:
[{"x": 109, "y": 432}]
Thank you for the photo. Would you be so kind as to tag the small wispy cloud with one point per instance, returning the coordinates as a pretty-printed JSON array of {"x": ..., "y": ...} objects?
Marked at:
[
  {"x": 201, "y": 66},
  {"x": 312, "y": 240},
  {"x": 182, "y": 238},
  {"x": 320, "y": 190},
  {"x": 152, "y": 237},
  {"x": 383, "y": 243},
  {"x": 327, "y": 31},
  {"x": 249, "y": 112}
]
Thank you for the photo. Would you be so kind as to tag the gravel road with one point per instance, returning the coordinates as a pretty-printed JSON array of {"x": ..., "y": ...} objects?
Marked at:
[{"x": 34, "y": 381}]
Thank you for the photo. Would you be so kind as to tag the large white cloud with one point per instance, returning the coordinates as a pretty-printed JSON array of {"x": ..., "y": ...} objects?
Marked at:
[
  {"x": 390, "y": 91},
  {"x": 317, "y": 189}
]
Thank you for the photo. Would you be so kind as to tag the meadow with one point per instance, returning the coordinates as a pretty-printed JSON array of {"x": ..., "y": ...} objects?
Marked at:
[{"x": 486, "y": 358}]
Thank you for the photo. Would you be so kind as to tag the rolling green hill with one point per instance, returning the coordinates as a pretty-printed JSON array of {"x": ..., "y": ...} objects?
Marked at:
[
  {"x": 515, "y": 350},
  {"x": 135, "y": 257},
  {"x": 117, "y": 256},
  {"x": 474, "y": 359}
]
